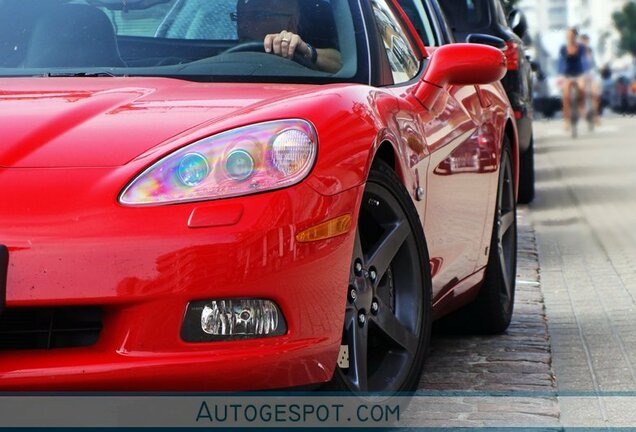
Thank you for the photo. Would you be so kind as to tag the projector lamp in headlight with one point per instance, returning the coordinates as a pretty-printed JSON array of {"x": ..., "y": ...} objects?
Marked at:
[
  {"x": 228, "y": 319},
  {"x": 193, "y": 169}
]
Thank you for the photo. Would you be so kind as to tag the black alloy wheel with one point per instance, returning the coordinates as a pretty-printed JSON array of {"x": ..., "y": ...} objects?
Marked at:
[
  {"x": 388, "y": 313},
  {"x": 491, "y": 312}
]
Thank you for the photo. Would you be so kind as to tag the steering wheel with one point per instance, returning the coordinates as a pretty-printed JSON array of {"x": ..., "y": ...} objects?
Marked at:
[
  {"x": 258, "y": 46},
  {"x": 254, "y": 46}
]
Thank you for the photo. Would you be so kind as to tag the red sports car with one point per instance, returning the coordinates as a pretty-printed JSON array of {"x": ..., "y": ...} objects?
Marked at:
[{"x": 252, "y": 194}]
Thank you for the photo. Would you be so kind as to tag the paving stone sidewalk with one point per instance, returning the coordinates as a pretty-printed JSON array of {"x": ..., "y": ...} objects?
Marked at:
[{"x": 585, "y": 221}]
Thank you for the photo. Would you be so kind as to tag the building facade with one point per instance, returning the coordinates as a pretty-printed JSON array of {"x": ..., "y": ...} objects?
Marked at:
[{"x": 548, "y": 20}]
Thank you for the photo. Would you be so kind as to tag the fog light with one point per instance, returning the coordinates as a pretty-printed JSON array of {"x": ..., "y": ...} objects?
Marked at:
[{"x": 228, "y": 319}]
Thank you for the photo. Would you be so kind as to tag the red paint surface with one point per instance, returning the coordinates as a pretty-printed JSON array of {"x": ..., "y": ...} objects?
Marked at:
[{"x": 71, "y": 145}]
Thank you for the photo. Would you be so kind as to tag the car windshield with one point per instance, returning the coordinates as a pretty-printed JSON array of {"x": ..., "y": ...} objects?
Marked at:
[
  {"x": 207, "y": 40},
  {"x": 465, "y": 16}
]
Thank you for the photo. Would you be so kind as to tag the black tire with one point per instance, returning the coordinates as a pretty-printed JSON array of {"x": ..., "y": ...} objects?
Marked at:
[
  {"x": 492, "y": 310},
  {"x": 526, "y": 175},
  {"x": 388, "y": 346}
]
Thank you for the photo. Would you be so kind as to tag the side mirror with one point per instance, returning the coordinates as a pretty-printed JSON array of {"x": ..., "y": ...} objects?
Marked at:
[
  {"x": 518, "y": 23},
  {"x": 460, "y": 64},
  {"x": 465, "y": 64},
  {"x": 484, "y": 39}
]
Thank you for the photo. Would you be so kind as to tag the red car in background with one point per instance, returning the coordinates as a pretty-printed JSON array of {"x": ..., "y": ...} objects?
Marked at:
[{"x": 184, "y": 211}]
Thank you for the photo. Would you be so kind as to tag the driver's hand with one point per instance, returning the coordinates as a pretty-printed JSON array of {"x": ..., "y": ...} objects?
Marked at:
[{"x": 285, "y": 44}]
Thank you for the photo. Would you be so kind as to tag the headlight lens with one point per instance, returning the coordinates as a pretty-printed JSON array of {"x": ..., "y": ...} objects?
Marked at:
[
  {"x": 242, "y": 161},
  {"x": 193, "y": 169}
]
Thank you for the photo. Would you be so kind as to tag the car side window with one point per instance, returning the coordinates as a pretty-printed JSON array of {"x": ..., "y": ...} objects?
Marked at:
[
  {"x": 402, "y": 58},
  {"x": 414, "y": 9}
]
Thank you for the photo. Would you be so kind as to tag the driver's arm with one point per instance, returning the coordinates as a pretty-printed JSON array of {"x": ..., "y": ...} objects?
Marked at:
[
  {"x": 286, "y": 44},
  {"x": 328, "y": 59}
]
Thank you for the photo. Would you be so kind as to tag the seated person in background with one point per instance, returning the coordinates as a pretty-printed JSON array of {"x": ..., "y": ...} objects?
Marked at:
[{"x": 277, "y": 23}]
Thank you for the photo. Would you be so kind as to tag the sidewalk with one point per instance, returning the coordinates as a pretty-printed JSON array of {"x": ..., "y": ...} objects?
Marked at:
[{"x": 585, "y": 220}]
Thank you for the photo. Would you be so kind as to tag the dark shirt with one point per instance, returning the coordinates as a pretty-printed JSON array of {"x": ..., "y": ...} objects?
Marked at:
[{"x": 572, "y": 65}]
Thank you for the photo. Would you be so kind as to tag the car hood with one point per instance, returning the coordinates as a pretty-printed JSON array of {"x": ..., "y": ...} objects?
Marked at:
[{"x": 104, "y": 122}]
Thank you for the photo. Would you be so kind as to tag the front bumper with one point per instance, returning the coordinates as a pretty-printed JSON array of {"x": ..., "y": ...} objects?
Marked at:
[{"x": 70, "y": 243}]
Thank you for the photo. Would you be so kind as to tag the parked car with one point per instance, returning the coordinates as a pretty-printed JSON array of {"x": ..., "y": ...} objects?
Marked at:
[
  {"x": 547, "y": 98},
  {"x": 467, "y": 17},
  {"x": 622, "y": 92},
  {"x": 184, "y": 211}
]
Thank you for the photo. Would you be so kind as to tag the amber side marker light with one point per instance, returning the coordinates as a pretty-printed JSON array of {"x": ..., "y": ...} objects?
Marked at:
[{"x": 326, "y": 230}]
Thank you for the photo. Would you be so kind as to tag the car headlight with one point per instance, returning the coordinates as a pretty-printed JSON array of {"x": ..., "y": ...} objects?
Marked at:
[{"x": 241, "y": 161}]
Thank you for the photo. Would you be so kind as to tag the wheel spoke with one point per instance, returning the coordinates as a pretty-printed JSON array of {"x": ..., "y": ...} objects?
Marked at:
[
  {"x": 503, "y": 266},
  {"x": 506, "y": 223},
  {"x": 357, "y": 337},
  {"x": 357, "y": 255},
  {"x": 357, "y": 247},
  {"x": 394, "y": 329},
  {"x": 502, "y": 183},
  {"x": 507, "y": 220},
  {"x": 387, "y": 248}
]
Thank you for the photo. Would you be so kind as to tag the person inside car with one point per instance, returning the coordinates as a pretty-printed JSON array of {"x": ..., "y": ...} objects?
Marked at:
[{"x": 277, "y": 23}]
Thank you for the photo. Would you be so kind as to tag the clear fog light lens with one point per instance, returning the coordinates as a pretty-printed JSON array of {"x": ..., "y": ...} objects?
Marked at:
[
  {"x": 239, "y": 317},
  {"x": 232, "y": 319}
]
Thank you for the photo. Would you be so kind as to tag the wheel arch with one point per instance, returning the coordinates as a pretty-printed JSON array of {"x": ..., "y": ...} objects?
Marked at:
[{"x": 387, "y": 152}]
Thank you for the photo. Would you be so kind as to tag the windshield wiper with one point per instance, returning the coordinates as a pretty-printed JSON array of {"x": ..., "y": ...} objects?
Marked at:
[{"x": 80, "y": 74}]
